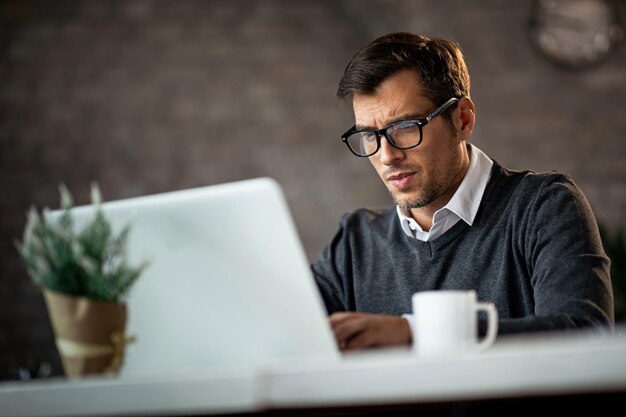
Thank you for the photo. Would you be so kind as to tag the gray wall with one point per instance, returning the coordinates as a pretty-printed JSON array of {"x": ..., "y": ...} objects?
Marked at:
[{"x": 154, "y": 96}]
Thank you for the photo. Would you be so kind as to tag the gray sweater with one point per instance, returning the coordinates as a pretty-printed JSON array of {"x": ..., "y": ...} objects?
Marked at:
[{"x": 534, "y": 250}]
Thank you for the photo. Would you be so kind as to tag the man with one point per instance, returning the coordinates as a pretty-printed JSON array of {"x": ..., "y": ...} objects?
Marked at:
[{"x": 526, "y": 241}]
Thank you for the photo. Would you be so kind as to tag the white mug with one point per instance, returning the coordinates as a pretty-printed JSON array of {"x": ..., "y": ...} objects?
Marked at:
[{"x": 445, "y": 323}]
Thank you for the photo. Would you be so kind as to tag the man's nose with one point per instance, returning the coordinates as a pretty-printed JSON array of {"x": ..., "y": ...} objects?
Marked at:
[{"x": 387, "y": 154}]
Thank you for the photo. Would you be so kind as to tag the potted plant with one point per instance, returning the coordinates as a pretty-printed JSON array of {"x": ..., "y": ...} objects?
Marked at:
[{"x": 85, "y": 279}]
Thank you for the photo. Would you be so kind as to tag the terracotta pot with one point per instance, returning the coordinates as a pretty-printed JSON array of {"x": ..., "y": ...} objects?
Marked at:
[{"x": 89, "y": 334}]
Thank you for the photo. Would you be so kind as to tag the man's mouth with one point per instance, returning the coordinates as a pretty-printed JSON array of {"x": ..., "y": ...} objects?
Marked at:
[{"x": 402, "y": 179}]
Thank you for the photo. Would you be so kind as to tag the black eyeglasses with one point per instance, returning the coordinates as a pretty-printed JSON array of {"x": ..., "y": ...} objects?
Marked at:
[{"x": 403, "y": 134}]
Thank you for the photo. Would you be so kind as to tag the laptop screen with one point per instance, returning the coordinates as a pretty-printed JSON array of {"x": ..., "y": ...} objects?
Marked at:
[{"x": 228, "y": 283}]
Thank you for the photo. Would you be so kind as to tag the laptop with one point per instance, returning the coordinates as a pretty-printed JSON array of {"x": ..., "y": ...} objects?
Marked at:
[{"x": 228, "y": 284}]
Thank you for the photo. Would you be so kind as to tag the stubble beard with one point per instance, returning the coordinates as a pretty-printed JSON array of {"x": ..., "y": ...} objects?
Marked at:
[
  {"x": 430, "y": 192},
  {"x": 425, "y": 196}
]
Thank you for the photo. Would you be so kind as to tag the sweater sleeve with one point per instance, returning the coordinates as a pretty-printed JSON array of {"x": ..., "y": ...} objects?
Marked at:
[
  {"x": 569, "y": 271},
  {"x": 329, "y": 271}
]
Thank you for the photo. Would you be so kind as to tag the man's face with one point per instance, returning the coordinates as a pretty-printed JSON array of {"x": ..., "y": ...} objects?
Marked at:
[{"x": 423, "y": 177}]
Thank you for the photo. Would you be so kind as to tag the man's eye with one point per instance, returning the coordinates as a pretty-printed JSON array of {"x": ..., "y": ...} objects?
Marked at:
[
  {"x": 368, "y": 136},
  {"x": 405, "y": 127}
]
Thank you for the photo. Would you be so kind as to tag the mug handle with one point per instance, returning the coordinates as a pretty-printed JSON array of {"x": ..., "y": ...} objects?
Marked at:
[{"x": 492, "y": 325}]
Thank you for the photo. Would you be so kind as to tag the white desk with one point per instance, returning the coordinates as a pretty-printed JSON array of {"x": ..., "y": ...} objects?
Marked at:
[{"x": 567, "y": 364}]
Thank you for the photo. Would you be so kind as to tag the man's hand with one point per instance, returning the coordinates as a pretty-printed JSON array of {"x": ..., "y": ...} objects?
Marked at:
[{"x": 360, "y": 330}]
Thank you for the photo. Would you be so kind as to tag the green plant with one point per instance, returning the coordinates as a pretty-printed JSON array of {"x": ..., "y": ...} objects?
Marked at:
[
  {"x": 615, "y": 247},
  {"x": 90, "y": 263}
]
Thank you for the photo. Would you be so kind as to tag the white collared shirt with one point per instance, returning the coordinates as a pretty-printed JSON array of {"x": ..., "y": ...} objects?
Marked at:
[{"x": 462, "y": 206}]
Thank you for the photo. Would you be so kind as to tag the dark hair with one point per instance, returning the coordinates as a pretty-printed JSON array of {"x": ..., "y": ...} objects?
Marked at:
[{"x": 438, "y": 63}]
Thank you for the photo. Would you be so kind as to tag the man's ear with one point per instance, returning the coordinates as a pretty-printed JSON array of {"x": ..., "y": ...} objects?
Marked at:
[{"x": 466, "y": 118}]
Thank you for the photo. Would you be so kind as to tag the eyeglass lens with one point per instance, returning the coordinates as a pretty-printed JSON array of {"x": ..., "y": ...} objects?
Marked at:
[{"x": 402, "y": 135}]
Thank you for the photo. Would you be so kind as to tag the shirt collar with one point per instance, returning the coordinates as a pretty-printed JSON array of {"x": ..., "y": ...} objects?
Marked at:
[{"x": 466, "y": 200}]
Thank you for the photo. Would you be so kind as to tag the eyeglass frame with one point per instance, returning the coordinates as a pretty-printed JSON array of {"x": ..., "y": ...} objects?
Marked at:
[{"x": 420, "y": 123}]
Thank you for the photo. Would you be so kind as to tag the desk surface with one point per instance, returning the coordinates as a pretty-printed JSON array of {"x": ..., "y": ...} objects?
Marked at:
[{"x": 564, "y": 364}]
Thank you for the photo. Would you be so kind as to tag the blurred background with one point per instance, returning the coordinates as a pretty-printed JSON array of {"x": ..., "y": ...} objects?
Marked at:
[{"x": 154, "y": 96}]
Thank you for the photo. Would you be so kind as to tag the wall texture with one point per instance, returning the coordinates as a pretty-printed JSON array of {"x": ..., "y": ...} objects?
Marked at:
[{"x": 153, "y": 96}]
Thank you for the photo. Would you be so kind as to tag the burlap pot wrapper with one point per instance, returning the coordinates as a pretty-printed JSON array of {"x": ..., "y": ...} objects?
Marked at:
[{"x": 89, "y": 334}]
